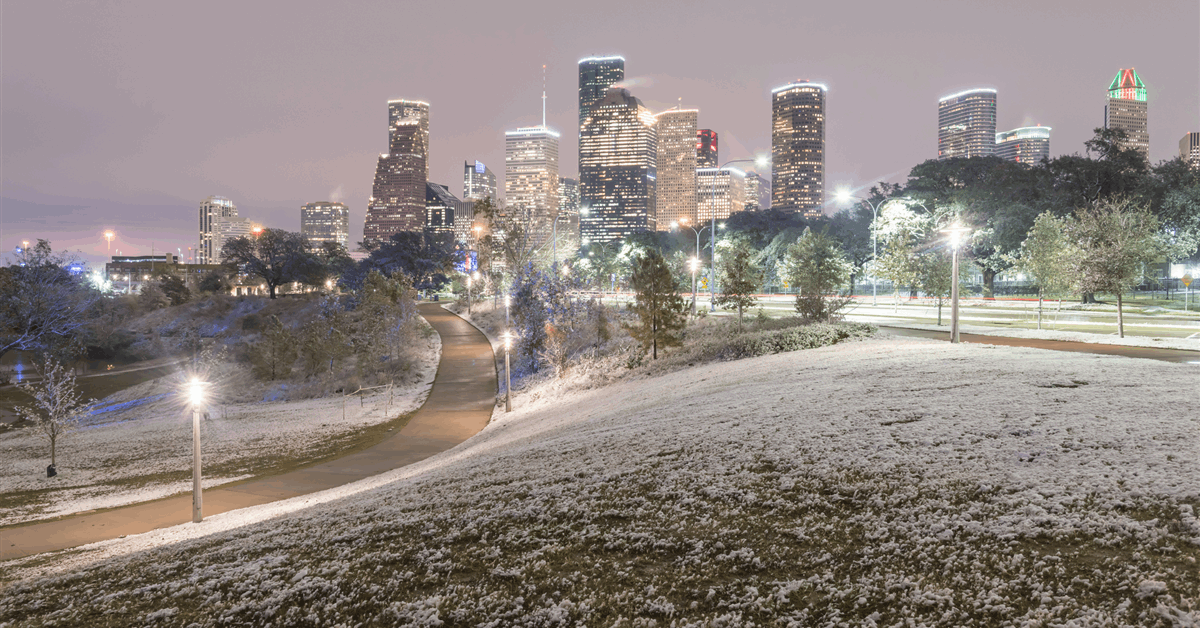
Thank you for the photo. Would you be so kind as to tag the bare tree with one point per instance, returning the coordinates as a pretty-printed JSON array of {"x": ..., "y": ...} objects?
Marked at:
[
  {"x": 42, "y": 304},
  {"x": 57, "y": 405}
]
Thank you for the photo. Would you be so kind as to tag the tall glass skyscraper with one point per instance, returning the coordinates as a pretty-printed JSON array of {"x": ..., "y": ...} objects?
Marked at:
[
  {"x": 531, "y": 176},
  {"x": 1126, "y": 110},
  {"x": 706, "y": 149},
  {"x": 720, "y": 191},
  {"x": 798, "y": 147},
  {"x": 479, "y": 181},
  {"x": 214, "y": 211},
  {"x": 758, "y": 192},
  {"x": 325, "y": 222},
  {"x": 967, "y": 124},
  {"x": 676, "y": 193},
  {"x": 397, "y": 200},
  {"x": 618, "y": 168},
  {"x": 1026, "y": 145},
  {"x": 596, "y": 75}
]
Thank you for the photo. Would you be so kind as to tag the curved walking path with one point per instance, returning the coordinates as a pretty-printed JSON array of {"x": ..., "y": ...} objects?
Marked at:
[
  {"x": 459, "y": 406},
  {"x": 1165, "y": 354}
]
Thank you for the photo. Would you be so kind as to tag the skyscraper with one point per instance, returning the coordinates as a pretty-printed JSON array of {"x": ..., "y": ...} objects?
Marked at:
[
  {"x": 442, "y": 210},
  {"x": 1026, "y": 145},
  {"x": 325, "y": 222},
  {"x": 967, "y": 124},
  {"x": 1189, "y": 149},
  {"x": 618, "y": 151},
  {"x": 398, "y": 197},
  {"x": 479, "y": 181},
  {"x": 1126, "y": 110},
  {"x": 706, "y": 149},
  {"x": 596, "y": 75},
  {"x": 568, "y": 196},
  {"x": 676, "y": 189},
  {"x": 213, "y": 210},
  {"x": 758, "y": 192},
  {"x": 531, "y": 176},
  {"x": 721, "y": 191},
  {"x": 798, "y": 147}
]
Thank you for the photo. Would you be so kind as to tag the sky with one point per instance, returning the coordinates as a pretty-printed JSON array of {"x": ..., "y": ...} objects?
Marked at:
[{"x": 125, "y": 115}]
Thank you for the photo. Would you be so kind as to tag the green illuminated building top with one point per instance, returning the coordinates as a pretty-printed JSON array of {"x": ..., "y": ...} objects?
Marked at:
[{"x": 1127, "y": 85}]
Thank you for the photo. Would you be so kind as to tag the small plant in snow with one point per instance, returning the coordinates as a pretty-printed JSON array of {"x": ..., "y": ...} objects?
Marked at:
[{"x": 57, "y": 406}]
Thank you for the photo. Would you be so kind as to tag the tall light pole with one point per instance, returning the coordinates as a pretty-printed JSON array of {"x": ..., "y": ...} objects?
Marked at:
[
  {"x": 507, "y": 373},
  {"x": 695, "y": 264},
  {"x": 196, "y": 397},
  {"x": 108, "y": 235},
  {"x": 956, "y": 232},
  {"x": 844, "y": 196},
  {"x": 712, "y": 289}
]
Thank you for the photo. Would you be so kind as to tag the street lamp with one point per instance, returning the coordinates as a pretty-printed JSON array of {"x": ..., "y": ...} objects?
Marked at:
[
  {"x": 761, "y": 162},
  {"x": 956, "y": 232},
  {"x": 108, "y": 235},
  {"x": 196, "y": 399},
  {"x": 844, "y": 196},
  {"x": 507, "y": 373},
  {"x": 695, "y": 264},
  {"x": 468, "y": 295}
]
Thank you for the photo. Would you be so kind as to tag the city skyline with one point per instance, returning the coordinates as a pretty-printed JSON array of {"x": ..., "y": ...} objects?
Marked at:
[{"x": 274, "y": 148}]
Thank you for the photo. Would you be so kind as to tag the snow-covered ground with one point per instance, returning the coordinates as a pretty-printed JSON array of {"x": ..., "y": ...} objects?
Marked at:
[
  {"x": 140, "y": 447},
  {"x": 894, "y": 481}
]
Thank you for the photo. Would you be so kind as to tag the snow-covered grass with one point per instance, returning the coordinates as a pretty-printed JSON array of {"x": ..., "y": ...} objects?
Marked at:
[
  {"x": 888, "y": 482},
  {"x": 138, "y": 445}
]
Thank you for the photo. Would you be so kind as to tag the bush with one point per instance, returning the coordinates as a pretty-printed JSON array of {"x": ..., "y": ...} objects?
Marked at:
[{"x": 793, "y": 339}]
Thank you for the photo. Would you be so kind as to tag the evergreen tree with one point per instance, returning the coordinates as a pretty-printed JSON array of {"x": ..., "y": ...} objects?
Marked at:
[
  {"x": 1045, "y": 256},
  {"x": 273, "y": 355},
  {"x": 658, "y": 306},
  {"x": 817, "y": 267},
  {"x": 1117, "y": 241},
  {"x": 740, "y": 278}
]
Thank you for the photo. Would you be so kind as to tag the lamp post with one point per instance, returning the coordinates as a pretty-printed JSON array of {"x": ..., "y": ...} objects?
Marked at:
[
  {"x": 196, "y": 397},
  {"x": 695, "y": 264},
  {"x": 956, "y": 231},
  {"x": 843, "y": 196},
  {"x": 108, "y": 235},
  {"x": 712, "y": 289},
  {"x": 507, "y": 373}
]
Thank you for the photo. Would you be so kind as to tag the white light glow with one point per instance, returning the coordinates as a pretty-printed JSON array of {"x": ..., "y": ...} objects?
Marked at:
[{"x": 967, "y": 91}]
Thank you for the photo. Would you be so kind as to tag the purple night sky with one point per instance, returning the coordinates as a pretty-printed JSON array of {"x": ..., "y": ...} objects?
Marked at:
[{"x": 126, "y": 115}]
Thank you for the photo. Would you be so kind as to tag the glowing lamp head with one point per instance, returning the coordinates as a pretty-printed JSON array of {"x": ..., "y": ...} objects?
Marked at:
[
  {"x": 842, "y": 195},
  {"x": 256, "y": 230},
  {"x": 196, "y": 392},
  {"x": 109, "y": 234},
  {"x": 762, "y": 161},
  {"x": 674, "y": 224},
  {"x": 507, "y": 340},
  {"x": 507, "y": 300}
]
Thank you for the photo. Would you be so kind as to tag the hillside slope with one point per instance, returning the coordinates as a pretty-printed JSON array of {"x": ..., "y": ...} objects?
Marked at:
[{"x": 875, "y": 483}]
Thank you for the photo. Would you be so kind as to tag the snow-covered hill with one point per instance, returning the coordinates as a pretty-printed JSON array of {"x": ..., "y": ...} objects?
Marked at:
[{"x": 879, "y": 483}]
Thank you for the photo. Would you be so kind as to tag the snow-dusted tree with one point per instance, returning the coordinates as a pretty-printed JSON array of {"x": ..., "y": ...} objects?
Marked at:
[
  {"x": 57, "y": 405},
  {"x": 817, "y": 267},
  {"x": 275, "y": 352},
  {"x": 41, "y": 303},
  {"x": 899, "y": 261},
  {"x": 660, "y": 310},
  {"x": 556, "y": 349},
  {"x": 1117, "y": 240},
  {"x": 1045, "y": 255},
  {"x": 740, "y": 278},
  {"x": 325, "y": 340}
]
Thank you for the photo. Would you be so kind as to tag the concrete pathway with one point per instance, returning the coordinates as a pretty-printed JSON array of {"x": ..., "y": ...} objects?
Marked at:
[
  {"x": 459, "y": 406},
  {"x": 1152, "y": 353}
]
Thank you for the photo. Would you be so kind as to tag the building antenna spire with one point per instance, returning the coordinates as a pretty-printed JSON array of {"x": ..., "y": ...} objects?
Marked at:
[{"x": 543, "y": 96}]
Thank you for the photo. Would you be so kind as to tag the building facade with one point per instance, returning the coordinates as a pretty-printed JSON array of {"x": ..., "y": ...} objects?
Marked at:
[
  {"x": 1126, "y": 110},
  {"x": 323, "y": 222},
  {"x": 1189, "y": 149},
  {"x": 721, "y": 192},
  {"x": 479, "y": 182},
  {"x": 213, "y": 210},
  {"x": 706, "y": 149},
  {"x": 531, "y": 177},
  {"x": 798, "y": 147},
  {"x": 618, "y": 168},
  {"x": 967, "y": 124},
  {"x": 676, "y": 159},
  {"x": 444, "y": 212},
  {"x": 568, "y": 196},
  {"x": 596, "y": 75},
  {"x": 1026, "y": 145},
  {"x": 397, "y": 200},
  {"x": 758, "y": 192}
]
